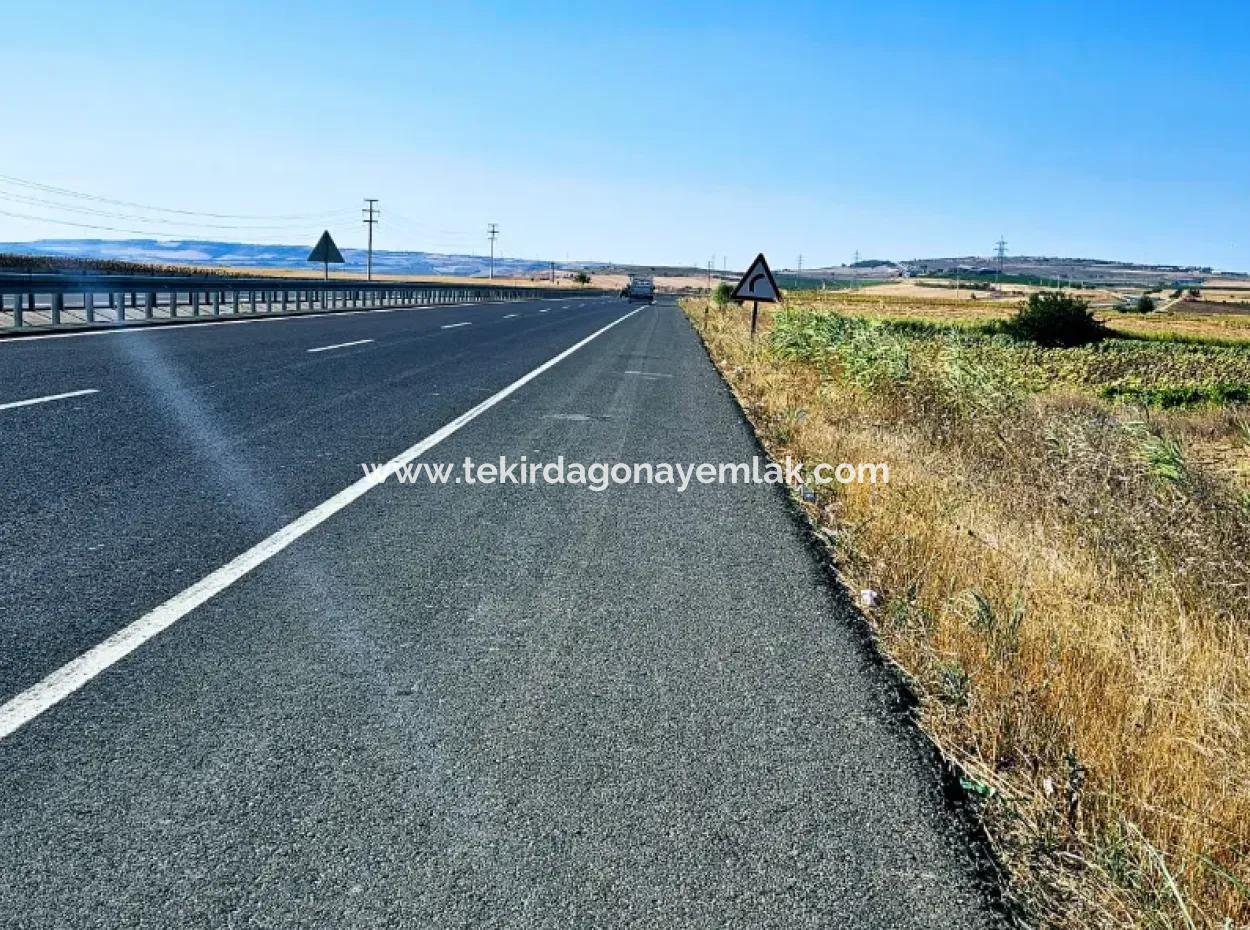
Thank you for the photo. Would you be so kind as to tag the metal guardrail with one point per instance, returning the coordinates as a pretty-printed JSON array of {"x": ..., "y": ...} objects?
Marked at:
[{"x": 46, "y": 301}]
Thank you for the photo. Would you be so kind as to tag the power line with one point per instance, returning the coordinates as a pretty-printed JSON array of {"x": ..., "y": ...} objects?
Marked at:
[
  {"x": 371, "y": 218},
  {"x": 114, "y": 215},
  {"x": 81, "y": 195},
  {"x": 492, "y": 230},
  {"x": 46, "y": 219}
]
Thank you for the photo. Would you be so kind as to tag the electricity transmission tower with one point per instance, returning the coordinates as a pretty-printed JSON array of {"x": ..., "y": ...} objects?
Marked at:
[
  {"x": 1000, "y": 249},
  {"x": 492, "y": 231},
  {"x": 371, "y": 213}
]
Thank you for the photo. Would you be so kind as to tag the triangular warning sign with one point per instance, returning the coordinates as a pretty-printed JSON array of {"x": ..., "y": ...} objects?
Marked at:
[
  {"x": 758, "y": 284},
  {"x": 326, "y": 251}
]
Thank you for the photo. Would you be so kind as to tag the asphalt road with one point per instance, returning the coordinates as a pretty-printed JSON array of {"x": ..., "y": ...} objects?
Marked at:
[{"x": 448, "y": 705}]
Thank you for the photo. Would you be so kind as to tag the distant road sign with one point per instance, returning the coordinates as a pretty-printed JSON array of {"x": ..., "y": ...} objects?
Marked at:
[
  {"x": 758, "y": 284},
  {"x": 325, "y": 251}
]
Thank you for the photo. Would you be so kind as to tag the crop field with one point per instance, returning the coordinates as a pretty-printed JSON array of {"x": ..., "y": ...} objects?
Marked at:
[
  {"x": 1196, "y": 321},
  {"x": 1059, "y": 571}
]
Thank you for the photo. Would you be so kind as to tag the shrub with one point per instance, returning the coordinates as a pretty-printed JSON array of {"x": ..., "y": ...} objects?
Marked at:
[
  {"x": 1052, "y": 318},
  {"x": 1145, "y": 304},
  {"x": 581, "y": 278},
  {"x": 721, "y": 294}
]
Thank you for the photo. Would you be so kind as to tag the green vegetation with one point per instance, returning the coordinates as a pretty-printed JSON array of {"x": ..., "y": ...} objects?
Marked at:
[
  {"x": 581, "y": 277},
  {"x": 1053, "y": 318},
  {"x": 1175, "y": 396},
  {"x": 722, "y": 293},
  {"x": 1155, "y": 372},
  {"x": 990, "y": 277}
]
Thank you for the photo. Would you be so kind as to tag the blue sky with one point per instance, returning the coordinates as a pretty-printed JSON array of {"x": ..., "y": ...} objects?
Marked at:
[{"x": 647, "y": 132}]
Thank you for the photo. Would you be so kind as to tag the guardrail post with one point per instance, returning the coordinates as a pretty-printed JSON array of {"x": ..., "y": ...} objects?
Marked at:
[
  {"x": 58, "y": 304},
  {"x": 195, "y": 303},
  {"x": 18, "y": 299},
  {"x": 88, "y": 306},
  {"x": 149, "y": 302}
]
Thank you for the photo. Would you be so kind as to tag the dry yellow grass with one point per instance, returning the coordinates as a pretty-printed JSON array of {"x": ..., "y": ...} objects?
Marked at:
[{"x": 1075, "y": 628}]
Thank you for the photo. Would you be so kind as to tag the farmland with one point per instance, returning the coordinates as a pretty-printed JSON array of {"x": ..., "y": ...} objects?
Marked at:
[{"x": 1059, "y": 573}]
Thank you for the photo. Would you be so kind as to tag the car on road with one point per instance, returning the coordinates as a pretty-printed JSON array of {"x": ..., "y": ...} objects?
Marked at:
[{"x": 640, "y": 288}]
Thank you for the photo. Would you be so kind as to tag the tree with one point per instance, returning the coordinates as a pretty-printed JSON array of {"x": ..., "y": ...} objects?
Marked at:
[
  {"x": 1055, "y": 319},
  {"x": 1145, "y": 304},
  {"x": 581, "y": 278}
]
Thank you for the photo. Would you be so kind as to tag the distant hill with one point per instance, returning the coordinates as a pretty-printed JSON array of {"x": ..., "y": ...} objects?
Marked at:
[{"x": 213, "y": 253}]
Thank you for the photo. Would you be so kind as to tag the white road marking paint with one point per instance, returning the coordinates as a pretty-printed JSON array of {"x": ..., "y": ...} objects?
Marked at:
[
  {"x": 340, "y": 345},
  {"x": 544, "y": 309},
  {"x": 39, "y": 697},
  {"x": 43, "y": 400},
  {"x": 648, "y": 374},
  {"x": 454, "y": 325},
  {"x": 508, "y": 316}
]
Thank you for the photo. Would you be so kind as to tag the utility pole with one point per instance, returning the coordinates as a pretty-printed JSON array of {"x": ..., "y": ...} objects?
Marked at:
[
  {"x": 492, "y": 230},
  {"x": 1000, "y": 249},
  {"x": 855, "y": 272},
  {"x": 371, "y": 213},
  {"x": 710, "y": 262}
]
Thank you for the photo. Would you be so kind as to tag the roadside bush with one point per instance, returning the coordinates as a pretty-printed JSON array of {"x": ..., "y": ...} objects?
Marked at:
[
  {"x": 1055, "y": 319},
  {"x": 581, "y": 278},
  {"x": 1145, "y": 304},
  {"x": 721, "y": 294}
]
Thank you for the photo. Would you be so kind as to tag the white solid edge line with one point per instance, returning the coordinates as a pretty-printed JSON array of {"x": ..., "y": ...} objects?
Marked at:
[
  {"x": 454, "y": 325},
  {"x": 340, "y": 345},
  {"x": 60, "y": 684},
  {"x": 43, "y": 400}
]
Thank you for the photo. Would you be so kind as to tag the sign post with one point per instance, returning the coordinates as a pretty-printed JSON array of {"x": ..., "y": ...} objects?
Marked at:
[
  {"x": 757, "y": 285},
  {"x": 325, "y": 251}
]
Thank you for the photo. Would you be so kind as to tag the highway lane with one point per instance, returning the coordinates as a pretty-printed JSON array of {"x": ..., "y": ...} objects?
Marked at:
[
  {"x": 201, "y": 440},
  {"x": 520, "y": 706}
]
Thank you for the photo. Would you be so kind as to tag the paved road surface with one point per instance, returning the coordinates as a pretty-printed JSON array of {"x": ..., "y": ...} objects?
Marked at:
[{"x": 445, "y": 706}]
